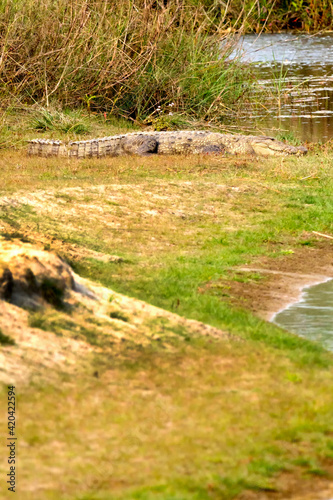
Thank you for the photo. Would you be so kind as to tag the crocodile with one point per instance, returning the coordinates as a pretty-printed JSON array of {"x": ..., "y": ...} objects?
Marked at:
[{"x": 177, "y": 142}]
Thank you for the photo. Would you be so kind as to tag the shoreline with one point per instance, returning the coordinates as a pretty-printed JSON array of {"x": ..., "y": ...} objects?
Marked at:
[
  {"x": 284, "y": 279},
  {"x": 295, "y": 284},
  {"x": 301, "y": 293}
]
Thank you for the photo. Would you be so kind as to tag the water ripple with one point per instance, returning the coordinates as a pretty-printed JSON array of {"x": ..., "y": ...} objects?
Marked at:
[
  {"x": 312, "y": 316},
  {"x": 304, "y": 65}
]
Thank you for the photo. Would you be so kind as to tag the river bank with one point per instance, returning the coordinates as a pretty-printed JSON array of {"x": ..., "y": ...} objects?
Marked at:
[
  {"x": 247, "y": 415},
  {"x": 284, "y": 278},
  {"x": 166, "y": 63}
]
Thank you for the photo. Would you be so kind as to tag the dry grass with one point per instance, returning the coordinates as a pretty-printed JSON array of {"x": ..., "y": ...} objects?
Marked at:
[{"x": 204, "y": 420}]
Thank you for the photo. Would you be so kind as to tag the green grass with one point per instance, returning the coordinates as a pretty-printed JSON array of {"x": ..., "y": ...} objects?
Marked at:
[
  {"x": 70, "y": 122},
  {"x": 176, "y": 289}
]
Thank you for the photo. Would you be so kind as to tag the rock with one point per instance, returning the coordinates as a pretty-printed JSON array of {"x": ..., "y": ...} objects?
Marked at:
[{"x": 30, "y": 277}]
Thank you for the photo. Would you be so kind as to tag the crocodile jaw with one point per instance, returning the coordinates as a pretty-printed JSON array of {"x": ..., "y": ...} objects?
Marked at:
[{"x": 272, "y": 147}]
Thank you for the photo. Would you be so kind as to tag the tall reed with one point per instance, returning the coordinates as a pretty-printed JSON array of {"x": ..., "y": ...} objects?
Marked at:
[{"x": 124, "y": 57}]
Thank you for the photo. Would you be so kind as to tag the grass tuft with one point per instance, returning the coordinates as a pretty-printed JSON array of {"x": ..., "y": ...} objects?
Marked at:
[
  {"x": 118, "y": 315},
  {"x": 67, "y": 123},
  {"x": 5, "y": 339}
]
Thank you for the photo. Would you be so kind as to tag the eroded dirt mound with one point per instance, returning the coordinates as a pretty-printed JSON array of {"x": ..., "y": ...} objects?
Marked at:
[
  {"x": 30, "y": 276},
  {"x": 52, "y": 321}
]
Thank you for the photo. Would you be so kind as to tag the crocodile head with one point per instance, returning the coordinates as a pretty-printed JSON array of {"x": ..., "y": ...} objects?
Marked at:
[{"x": 268, "y": 146}]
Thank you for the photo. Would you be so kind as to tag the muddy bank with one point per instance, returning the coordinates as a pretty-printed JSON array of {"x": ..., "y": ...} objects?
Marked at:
[
  {"x": 296, "y": 487},
  {"x": 282, "y": 279}
]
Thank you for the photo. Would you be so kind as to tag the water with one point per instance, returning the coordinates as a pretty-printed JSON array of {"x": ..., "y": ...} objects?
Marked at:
[
  {"x": 312, "y": 316},
  {"x": 305, "y": 63}
]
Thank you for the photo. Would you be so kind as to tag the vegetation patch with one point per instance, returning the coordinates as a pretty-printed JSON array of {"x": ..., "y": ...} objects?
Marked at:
[
  {"x": 184, "y": 71},
  {"x": 61, "y": 325},
  {"x": 70, "y": 122},
  {"x": 118, "y": 315},
  {"x": 5, "y": 339}
]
